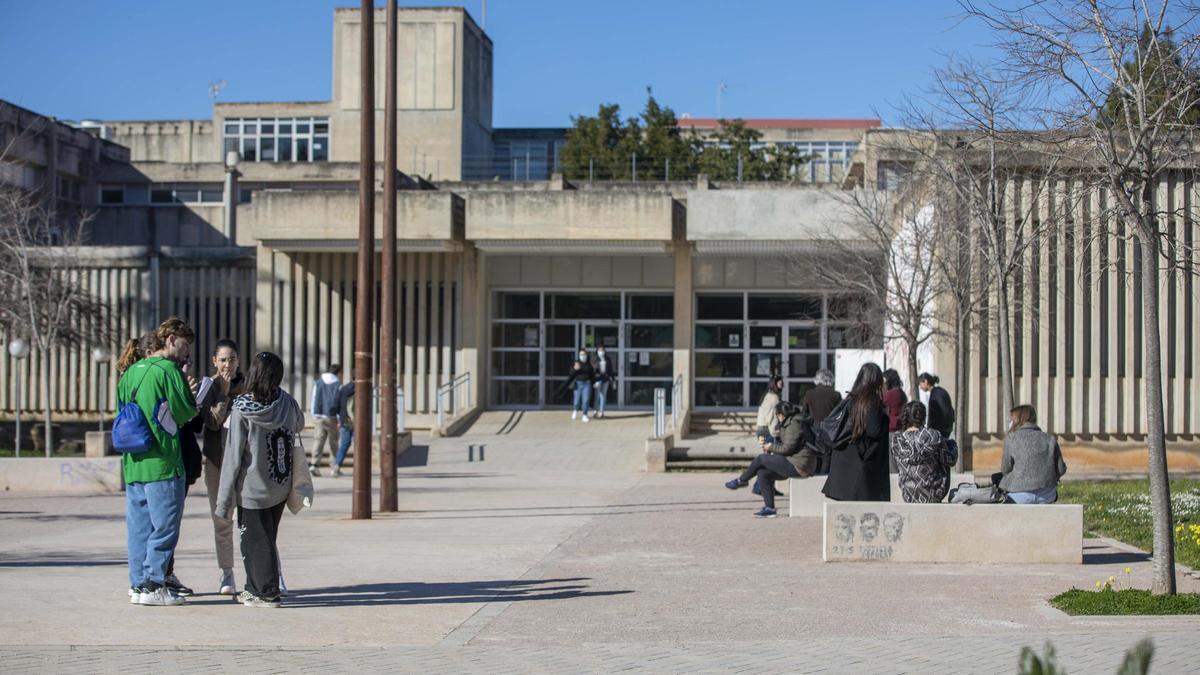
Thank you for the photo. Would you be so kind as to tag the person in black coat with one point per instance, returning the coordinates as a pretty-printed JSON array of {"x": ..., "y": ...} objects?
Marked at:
[
  {"x": 580, "y": 382},
  {"x": 859, "y": 472},
  {"x": 941, "y": 411}
]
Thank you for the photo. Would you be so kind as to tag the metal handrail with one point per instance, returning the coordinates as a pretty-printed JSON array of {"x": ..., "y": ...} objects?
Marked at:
[
  {"x": 452, "y": 389},
  {"x": 399, "y": 409},
  {"x": 660, "y": 412},
  {"x": 676, "y": 401}
]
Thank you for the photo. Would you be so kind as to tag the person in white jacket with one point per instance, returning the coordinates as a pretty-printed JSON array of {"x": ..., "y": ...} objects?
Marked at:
[{"x": 768, "y": 424}]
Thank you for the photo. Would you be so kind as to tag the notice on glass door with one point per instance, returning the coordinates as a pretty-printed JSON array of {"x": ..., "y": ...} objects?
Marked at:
[
  {"x": 531, "y": 336},
  {"x": 768, "y": 341},
  {"x": 735, "y": 340},
  {"x": 644, "y": 359},
  {"x": 762, "y": 365}
]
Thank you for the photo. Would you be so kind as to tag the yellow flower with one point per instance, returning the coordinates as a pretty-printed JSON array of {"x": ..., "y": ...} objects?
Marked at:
[
  {"x": 1099, "y": 584},
  {"x": 1111, "y": 579},
  {"x": 1128, "y": 571}
]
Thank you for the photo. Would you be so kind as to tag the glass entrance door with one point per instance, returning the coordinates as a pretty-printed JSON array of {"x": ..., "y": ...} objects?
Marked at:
[
  {"x": 792, "y": 350},
  {"x": 563, "y": 342}
]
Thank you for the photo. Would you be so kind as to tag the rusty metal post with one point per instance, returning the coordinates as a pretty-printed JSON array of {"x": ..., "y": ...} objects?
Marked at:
[
  {"x": 364, "y": 315},
  {"x": 387, "y": 337}
]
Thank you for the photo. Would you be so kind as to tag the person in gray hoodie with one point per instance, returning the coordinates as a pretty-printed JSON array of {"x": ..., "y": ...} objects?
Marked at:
[{"x": 257, "y": 473}]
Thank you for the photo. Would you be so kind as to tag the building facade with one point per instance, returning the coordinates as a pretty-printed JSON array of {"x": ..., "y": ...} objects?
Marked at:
[{"x": 505, "y": 269}]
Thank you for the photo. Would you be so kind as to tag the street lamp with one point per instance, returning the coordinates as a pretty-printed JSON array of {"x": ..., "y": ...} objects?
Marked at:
[
  {"x": 231, "y": 195},
  {"x": 19, "y": 349},
  {"x": 101, "y": 356}
]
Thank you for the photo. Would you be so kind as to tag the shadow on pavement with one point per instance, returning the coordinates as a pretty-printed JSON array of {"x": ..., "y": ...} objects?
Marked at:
[
  {"x": 417, "y": 455},
  {"x": 63, "y": 561},
  {"x": 1114, "y": 558},
  {"x": 417, "y": 593}
]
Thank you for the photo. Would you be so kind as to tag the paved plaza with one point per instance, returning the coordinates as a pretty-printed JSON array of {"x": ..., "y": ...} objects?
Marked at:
[{"x": 548, "y": 550}]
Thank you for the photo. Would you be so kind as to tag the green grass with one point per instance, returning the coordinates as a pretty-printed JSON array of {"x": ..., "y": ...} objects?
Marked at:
[
  {"x": 74, "y": 450},
  {"x": 1125, "y": 601},
  {"x": 1120, "y": 509}
]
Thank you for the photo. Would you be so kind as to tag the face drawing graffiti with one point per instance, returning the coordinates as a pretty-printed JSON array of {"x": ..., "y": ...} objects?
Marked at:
[
  {"x": 844, "y": 528},
  {"x": 893, "y": 526},
  {"x": 869, "y": 527}
]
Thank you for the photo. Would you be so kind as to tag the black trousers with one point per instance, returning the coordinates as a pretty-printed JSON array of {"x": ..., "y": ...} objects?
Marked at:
[
  {"x": 259, "y": 529},
  {"x": 769, "y": 468}
]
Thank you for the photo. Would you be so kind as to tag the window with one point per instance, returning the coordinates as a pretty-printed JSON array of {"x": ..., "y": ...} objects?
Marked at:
[
  {"x": 719, "y": 307},
  {"x": 650, "y": 307},
  {"x": 112, "y": 194},
  {"x": 278, "y": 139},
  {"x": 784, "y": 308},
  {"x": 892, "y": 174}
]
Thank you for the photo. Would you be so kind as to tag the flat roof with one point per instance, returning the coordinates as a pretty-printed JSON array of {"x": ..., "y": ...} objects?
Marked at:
[{"x": 786, "y": 123}]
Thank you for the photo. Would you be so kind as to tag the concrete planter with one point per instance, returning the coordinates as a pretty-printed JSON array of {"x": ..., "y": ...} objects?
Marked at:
[{"x": 81, "y": 475}]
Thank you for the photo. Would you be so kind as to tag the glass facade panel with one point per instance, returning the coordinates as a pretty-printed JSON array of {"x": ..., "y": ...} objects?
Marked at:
[
  {"x": 515, "y": 335},
  {"x": 720, "y": 395},
  {"x": 515, "y": 363},
  {"x": 515, "y": 392},
  {"x": 846, "y": 337},
  {"x": 561, "y": 336},
  {"x": 650, "y": 307},
  {"x": 804, "y": 365},
  {"x": 719, "y": 307},
  {"x": 576, "y": 306},
  {"x": 641, "y": 392},
  {"x": 518, "y": 306},
  {"x": 784, "y": 308},
  {"x": 804, "y": 338},
  {"x": 718, "y": 364},
  {"x": 656, "y": 364},
  {"x": 558, "y": 364},
  {"x": 766, "y": 337},
  {"x": 649, "y": 336},
  {"x": 728, "y": 336}
]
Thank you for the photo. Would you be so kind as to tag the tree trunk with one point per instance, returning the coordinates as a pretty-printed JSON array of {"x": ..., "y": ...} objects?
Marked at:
[
  {"x": 44, "y": 371},
  {"x": 1006, "y": 374},
  {"x": 960, "y": 387},
  {"x": 911, "y": 347},
  {"x": 1163, "y": 582}
]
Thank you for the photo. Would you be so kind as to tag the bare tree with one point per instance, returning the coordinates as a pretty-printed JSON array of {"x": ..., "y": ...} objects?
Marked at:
[
  {"x": 42, "y": 294},
  {"x": 881, "y": 256},
  {"x": 1122, "y": 77},
  {"x": 969, "y": 143}
]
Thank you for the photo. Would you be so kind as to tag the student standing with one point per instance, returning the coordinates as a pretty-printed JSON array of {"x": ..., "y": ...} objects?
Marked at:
[
  {"x": 226, "y": 384},
  {"x": 941, "y": 412},
  {"x": 257, "y": 472},
  {"x": 859, "y": 472},
  {"x": 346, "y": 424},
  {"x": 767, "y": 424},
  {"x": 894, "y": 398},
  {"x": 604, "y": 379},
  {"x": 154, "y": 479},
  {"x": 324, "y": 411}
]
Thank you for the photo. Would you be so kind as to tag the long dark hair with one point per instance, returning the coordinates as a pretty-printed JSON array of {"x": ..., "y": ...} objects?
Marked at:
[
  {"x": 912, "y": 415},
  {"x": 892, "y": 378},
  {"x": 865, "y": 397},
  {"x": 262, "y": 382},
  {"x": 775, "y": 384}
]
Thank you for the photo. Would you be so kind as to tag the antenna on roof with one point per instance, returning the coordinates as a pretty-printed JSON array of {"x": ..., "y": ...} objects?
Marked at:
[
  {"x": 484, "y": 26},
  {"x": 214, "y": 89},
  {"x": 721, "y": 87}
]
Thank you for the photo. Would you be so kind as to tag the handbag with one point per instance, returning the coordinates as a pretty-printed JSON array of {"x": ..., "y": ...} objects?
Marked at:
[
  {"x": 970, "y": 493},
  {"x": 834, "y": 431},
  {"x": 131, "y": 434},
  {"x": 301, "y": 494}
]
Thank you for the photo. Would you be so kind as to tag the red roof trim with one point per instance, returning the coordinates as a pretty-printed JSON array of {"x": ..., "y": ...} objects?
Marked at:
[{"x": 762, "y": 123}]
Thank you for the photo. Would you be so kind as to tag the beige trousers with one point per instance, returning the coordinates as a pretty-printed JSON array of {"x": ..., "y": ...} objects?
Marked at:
[{"x": 222, "y": 529}]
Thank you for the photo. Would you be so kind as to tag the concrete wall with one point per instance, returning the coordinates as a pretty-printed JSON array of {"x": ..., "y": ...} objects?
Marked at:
[
  {"x": 333, "y": 215},
  {"x": 168, "y": 140},
  {"x": 598, "y": 271},
  {"x": 192, "y": 225},
  {"x": 795, "y": 214},
  {"x": 570, "y": 214}
]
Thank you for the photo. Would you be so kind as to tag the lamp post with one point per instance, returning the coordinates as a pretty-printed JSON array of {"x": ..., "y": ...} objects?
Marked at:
[
  {"x": 19, "y": 349},
  {"x": 101, "y": 356},
  {"x": 231, "y": 195}
]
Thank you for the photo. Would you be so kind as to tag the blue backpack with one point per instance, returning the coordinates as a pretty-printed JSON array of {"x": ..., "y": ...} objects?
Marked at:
[{"x": 131, "y": 434}]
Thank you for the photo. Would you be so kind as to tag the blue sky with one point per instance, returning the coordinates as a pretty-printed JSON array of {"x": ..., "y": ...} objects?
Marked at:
[{"x": 120, "y": 59}]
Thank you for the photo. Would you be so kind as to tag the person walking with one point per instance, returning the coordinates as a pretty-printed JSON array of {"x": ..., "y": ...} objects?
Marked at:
[
  {"x": 766, "y": 425},
  {"x": 820, "y": 400},
  {"x": 604, "y": 379},
  {"x": 859, "y": 471},
  {"x": 225, "y": 384},
  {"x": 323, "y": 409},
  {"x": 345, "y": 402},
  {"x": 923, "y": 461},
  {"x": 941, "y": 412},
  {"x": 257, "y": 474},
  {"x": 154, "y": 479},
  {"x": 1032, "y": 462},
  {"x": 580, "y": 383},
  {"x": 894, "y": 398}
]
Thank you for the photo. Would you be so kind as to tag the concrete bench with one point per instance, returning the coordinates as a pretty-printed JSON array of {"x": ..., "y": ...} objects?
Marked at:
[
  {"x": 953, "y": 533},
  {"x": 61, "y": 474},
  {"x": 805, "y": 498}
]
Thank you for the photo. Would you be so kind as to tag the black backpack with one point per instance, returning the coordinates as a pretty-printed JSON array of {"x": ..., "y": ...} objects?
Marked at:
[{"x": 834, "y": 431}]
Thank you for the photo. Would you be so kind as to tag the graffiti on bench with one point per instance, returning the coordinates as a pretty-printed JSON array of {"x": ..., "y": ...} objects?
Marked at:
[
  {"x": 869, "y": 546},
  {"x": 78, "y": 472}
]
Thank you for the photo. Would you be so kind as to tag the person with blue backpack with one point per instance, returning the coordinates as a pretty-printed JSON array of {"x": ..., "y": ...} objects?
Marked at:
[{"x": 154, "y": 401}]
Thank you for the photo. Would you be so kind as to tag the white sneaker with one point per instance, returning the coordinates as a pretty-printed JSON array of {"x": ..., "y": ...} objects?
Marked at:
[
  {"x": 135, "y": 595},
  {"x": 161, "y": 597},
  {"x": 251, "y": 600},
  {"x": 314, "y": 471},
  {"x": 574, "y": 414},
  {"x": 600, "y": 414},
  {"x": 337, "y": 472},
  {"x": 228, "y": 586},
  {"x": 585, "y": 418}
]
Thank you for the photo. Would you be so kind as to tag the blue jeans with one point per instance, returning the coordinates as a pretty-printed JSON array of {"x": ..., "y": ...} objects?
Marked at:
[
  {"x": 1046, "y": 495},
  {"x": 344, "y": 441},
  {"x": 582, "y": 396},
  {"x": 601, "y": 395},
  {"x": 153, "y": 512}
]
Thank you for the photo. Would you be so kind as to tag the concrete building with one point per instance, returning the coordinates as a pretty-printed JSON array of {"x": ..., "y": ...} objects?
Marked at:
[{"x": 506, "y": 269}]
